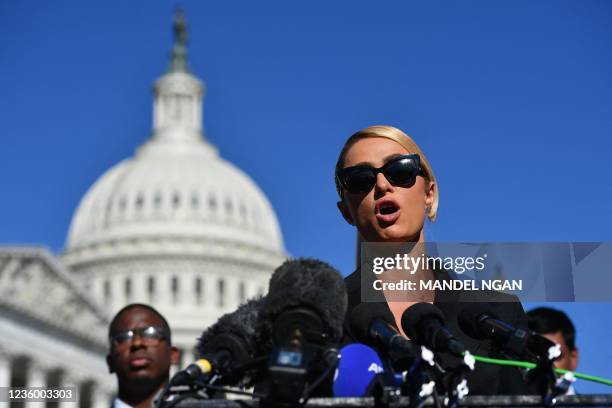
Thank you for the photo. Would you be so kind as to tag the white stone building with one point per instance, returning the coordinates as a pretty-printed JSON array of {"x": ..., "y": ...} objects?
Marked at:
[{"x": 175, "y": 226}]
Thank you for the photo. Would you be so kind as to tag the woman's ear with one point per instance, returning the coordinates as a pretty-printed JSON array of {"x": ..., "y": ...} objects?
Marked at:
[
  {"x": 345, "y": 212},
  {"x": 430, "y": 188}
]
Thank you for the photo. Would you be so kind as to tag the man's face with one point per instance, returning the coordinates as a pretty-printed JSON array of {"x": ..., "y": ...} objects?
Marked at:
[
  {"x": 140, "y": 359},
  {"x": 569, "y": 358}
]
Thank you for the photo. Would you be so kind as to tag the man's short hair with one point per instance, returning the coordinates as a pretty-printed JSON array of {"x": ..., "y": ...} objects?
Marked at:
[
  {"x": 151, "y": 309},
  {"x": 545, "y": 320}
]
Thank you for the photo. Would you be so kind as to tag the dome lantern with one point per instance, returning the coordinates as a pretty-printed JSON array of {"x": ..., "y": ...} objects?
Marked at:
[
  {"x": 178, "y": 95},
  {"x": 178, "y": 62}
]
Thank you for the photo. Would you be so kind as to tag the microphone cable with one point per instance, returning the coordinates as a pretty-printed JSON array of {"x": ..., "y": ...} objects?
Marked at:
[
  {"x": 332, "y": 357},
  {"x": 526, "y": 364}
]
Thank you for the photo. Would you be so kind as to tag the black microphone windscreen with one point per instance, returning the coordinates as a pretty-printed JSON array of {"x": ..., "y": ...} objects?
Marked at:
[
  {"x": 413, "y": 317},
  {"x": 306, "y": 283},
  {"x": 242, "y": 323},
  {"x": 362, "y": 317},
  {"x": 469, "y": 319},
  {"x": 372, "y": 324}
]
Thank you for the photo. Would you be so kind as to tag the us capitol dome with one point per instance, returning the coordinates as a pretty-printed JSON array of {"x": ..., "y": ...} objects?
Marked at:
[{"x": 175, "y": 226}]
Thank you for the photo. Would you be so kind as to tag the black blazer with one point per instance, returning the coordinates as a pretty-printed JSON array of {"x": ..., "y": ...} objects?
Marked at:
[{"x": 486, "y": 379}]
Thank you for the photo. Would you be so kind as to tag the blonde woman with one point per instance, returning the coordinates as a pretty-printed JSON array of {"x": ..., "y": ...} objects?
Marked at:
[{"x": 387, "y": 190}]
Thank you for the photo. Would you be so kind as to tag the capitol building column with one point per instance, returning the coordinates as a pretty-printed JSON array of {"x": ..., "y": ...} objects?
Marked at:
[
  {"x": 5, "y": 368},
  {"x": 69, "y": 379},
  {"x": 5, "y": 372},
  {"x": 100, "y": 398},
  {"x": 36, "y": 376}
]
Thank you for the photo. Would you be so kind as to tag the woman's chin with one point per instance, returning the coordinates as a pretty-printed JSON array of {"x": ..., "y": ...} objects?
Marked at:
[
  {"x": 393, "y": 234},
  {"x": 401, "y": 239}
]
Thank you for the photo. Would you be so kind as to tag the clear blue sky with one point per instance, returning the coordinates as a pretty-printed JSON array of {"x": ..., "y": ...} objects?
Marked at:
[{"x": 511, "y": 101}]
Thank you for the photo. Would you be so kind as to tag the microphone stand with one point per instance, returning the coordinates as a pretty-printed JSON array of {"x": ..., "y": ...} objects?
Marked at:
[
  {"x": 419, "y": 380},
  {"x": 385, "y": 387},
  {"x": 455, "y": 381},
  {"x": 544, "y": 378},
  {"x": 420, "y": 383},
  {"x": 413, "y": 376}
]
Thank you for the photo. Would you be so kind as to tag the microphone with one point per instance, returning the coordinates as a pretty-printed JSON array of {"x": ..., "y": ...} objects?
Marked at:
[
  {"x": 306, "y": 303},
  {"x": 301, "y": 321},
  {"x": 368, "y": 322},
  {"x": 478, "y": 321},
  {"x": 193, "y": 371},
  {"x": 359, "y": 365},
  {"x": 224, "y": 347},
  {"x": 424, "y": 323}
]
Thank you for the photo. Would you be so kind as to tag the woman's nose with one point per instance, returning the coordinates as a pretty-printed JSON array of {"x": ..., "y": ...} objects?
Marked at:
[{"x": 382, "y": 184}]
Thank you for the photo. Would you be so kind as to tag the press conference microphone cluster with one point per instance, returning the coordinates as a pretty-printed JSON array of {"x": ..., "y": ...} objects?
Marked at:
[
  {"x": 425, "y": 326},
  {"x": 285, "y": 344},
  {"x": 410, "y": 366}
]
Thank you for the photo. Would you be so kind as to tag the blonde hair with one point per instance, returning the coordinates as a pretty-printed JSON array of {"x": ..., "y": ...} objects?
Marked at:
[{"x": 392, "y": 133}]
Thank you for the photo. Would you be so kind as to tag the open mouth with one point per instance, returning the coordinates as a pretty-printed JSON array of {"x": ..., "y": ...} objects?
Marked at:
[
  {"x": 388, "y": 208},
  {"x": 387, "y": 212}
]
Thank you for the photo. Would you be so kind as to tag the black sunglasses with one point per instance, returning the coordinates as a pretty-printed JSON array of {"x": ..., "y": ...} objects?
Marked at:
[
  {"x": 400, "y": 171},
  {"x": 150, "y": 335}
]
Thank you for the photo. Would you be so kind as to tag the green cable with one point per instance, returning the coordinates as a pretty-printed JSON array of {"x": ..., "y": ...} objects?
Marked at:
[{"x": 525, "y": 364}]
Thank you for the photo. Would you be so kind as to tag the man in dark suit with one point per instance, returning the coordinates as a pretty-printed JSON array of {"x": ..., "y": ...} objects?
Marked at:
[{"x": 140, "y": 354}]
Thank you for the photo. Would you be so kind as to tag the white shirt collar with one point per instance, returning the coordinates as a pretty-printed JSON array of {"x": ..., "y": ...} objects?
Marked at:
[{"x": 117, "y": 403}]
